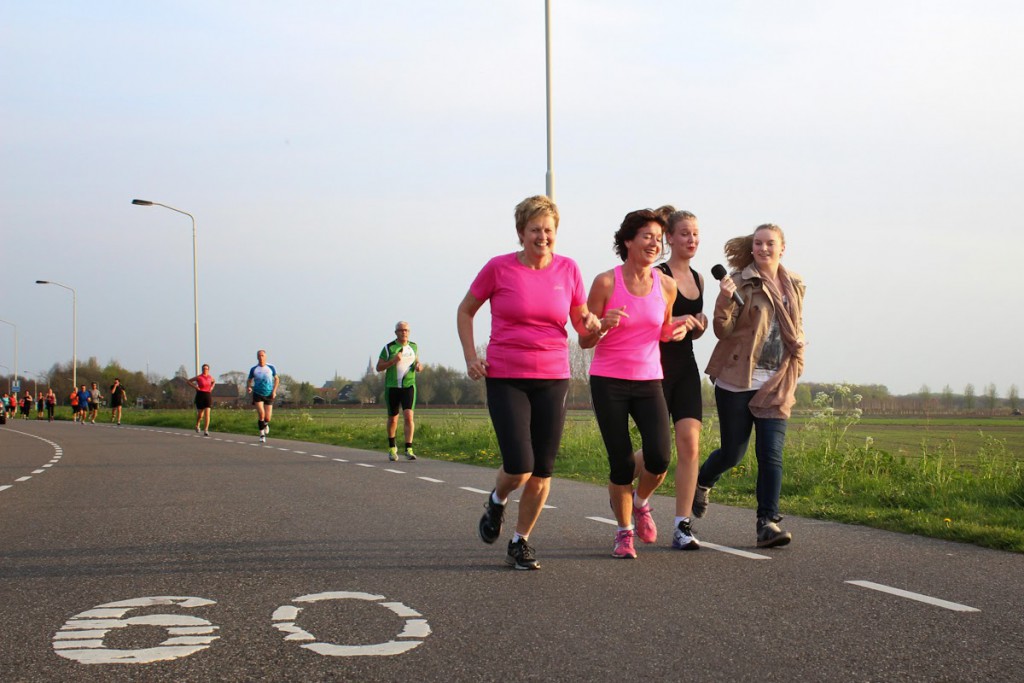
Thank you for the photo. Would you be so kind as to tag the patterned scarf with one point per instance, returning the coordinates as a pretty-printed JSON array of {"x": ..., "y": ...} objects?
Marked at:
[{"x": 777, "y": 396}]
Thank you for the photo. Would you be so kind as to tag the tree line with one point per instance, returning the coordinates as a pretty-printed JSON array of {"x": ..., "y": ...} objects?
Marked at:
[{"x": 442, "y": 385}]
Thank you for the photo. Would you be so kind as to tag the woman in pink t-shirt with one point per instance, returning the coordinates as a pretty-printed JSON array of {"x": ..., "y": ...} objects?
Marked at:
[
  {"x": 532, "y": 293},
  {"x": 634, "y": 301},
  {"x": 203, "y": 384}
]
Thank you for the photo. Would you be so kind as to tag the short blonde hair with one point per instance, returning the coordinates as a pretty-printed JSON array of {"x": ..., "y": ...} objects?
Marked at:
[{"x": 531, "y": 207}]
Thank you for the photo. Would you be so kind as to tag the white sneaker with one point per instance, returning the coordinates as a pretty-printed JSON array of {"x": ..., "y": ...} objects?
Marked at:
[
  {"x": 683, "y": 537},
  {"x": 263, "y": 439}
]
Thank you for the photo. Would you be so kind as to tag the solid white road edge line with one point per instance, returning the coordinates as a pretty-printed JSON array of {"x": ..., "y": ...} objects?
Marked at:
[{"x": 955, "y": 606}]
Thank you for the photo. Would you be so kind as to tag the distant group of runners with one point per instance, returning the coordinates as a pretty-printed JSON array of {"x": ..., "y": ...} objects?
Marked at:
[{"x": 84, "y": 402}]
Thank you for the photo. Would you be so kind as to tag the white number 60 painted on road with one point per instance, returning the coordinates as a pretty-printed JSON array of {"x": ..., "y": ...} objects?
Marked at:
[{"x": 81, "y": 636}]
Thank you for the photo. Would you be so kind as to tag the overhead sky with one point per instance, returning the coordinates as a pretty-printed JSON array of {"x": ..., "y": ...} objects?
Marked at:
[{"x": 352, "y": 164}]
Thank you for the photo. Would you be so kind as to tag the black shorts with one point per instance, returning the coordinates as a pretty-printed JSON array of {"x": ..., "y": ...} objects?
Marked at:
[
  {"x": 80, "y": 408},
  {"x": 528, "y": 417},
  {"x": 204, "y": 399},
  {"x": 261, "y": 398},
  {"x": 682, "y": 389},
  {"x": 94, "y": 406},
  {"x": 617, "y": 400},
  {"x": 399, "y": 397}
]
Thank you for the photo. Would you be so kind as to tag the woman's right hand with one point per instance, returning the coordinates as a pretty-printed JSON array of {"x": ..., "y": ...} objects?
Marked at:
[
  {"x": 476, "y": 369},
  {"x": 727, "y": 287}
]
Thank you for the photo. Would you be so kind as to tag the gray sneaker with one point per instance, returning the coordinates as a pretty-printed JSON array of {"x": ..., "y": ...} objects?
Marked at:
[
  {"x": 769, "y": 535},
  {"x": 700, "y": 500}
]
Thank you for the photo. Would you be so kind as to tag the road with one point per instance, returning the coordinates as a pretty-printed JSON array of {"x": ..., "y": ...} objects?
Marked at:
[{"x": 155, "y": 554}]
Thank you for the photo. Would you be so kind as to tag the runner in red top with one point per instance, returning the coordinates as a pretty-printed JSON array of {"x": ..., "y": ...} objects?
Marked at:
[{"x": 203, "y": 384}]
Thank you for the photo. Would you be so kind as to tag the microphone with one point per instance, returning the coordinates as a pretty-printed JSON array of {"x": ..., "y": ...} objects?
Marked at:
[{"x": 718, "y": 272}]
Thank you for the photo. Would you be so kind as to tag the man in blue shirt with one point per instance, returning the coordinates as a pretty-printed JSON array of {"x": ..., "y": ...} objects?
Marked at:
[
  {"x": 262, "y": 384},
  {"x": 84, "y": 397}
]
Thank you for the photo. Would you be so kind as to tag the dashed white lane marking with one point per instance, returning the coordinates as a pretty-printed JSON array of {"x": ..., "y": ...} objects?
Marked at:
[
  {"x": 733, "y": 551},
  {"x": 395, "y": 471},
  {"x": 284, "y": 449},
  {"x": 473, "y": 490},
  {"x": 364, "y": 464},
  {"x": 313, "y": 455},
  {"x": 58, "y": 451},
  {"x": 955, "y": 606},
  {"x": 432, "y": 481},
  {"x": 338, "y": 460},
  {"x": 304, "y": 453}
]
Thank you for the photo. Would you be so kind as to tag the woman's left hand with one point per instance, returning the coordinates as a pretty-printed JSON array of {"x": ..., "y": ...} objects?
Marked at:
[
  {"x": 675, "y": 330},
  {"x": 592, "y": 323}
]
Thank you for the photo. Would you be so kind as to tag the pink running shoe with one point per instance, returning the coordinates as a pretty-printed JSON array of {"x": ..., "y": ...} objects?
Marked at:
[
  {"x": 646, "y": 531},
  {"x": 624, "y": 545}
]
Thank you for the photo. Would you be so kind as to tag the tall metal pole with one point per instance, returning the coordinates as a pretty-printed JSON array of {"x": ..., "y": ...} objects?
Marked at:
[
  {"x": 74, "y": 328},
  {"x": 15, "y": 349},
  {"x": 550, "y": 177},
  {"x": 195, "y": 267}
]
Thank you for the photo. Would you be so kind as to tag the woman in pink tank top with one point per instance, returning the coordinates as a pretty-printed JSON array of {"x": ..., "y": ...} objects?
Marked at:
[{"x": 635, "y": 305}]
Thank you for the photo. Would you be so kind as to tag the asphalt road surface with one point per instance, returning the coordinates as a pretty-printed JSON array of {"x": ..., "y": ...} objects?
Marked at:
[{"x": 143, "y": 554}]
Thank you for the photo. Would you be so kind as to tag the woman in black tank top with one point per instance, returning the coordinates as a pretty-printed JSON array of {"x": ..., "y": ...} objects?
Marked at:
[{"x": 682, "y": 378}]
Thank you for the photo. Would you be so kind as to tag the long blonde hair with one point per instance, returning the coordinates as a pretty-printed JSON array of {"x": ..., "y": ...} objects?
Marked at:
[{"x": 739, "y": 251}]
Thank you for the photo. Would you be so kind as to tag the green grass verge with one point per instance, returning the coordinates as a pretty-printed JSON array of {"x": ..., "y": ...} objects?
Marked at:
[{"x": 962, "y": 485}]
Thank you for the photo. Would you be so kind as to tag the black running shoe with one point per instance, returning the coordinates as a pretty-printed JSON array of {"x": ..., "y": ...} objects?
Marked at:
[
  {"x": 490, "y": 523},
  {"x": 520, "y": 555}
]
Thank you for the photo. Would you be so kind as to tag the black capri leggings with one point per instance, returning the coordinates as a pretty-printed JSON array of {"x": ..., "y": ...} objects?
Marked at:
[
  {"x": 528, "y": 417},
  {"x": 615, "y": 401}
]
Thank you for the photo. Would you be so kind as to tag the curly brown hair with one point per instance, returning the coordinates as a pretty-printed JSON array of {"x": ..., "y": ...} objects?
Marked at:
[{"x": 631, "y": 225}]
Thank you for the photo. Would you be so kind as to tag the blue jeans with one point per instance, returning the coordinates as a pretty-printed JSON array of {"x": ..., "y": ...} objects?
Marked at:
[{"x": 735, "y": 422}]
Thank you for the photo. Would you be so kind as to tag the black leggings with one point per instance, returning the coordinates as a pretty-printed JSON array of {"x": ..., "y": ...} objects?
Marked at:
[
  {"x": 615, "y": 401},
  {"x": 528, "y": 417}
]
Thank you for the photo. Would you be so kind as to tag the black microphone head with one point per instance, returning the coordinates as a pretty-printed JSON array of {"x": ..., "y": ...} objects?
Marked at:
[{"x": 718, "y": 271}]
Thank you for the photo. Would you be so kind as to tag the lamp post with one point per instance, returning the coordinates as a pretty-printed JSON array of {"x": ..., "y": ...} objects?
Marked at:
[
  {"x": 550, "y": 177},
  {"x": 74, "y": 328},
  {"x": 195, "y": 267},
  {"x": 6, "y": 322}
]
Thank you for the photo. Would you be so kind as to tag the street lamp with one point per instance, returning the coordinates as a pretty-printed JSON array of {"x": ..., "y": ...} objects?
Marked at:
[
  {"x": 74, "y": 327},
  {"x": 550, "y": 178},
  {"x": 15, "y": 349},
  {"x": 195, "y": 267}
]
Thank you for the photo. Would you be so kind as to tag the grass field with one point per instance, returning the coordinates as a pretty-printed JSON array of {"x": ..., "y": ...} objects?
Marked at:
[{"x": 958, "y": 479}]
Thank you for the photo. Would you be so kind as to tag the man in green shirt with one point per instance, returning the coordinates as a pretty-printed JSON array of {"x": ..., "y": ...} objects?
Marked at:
[{"x": 400, "y": 361}]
